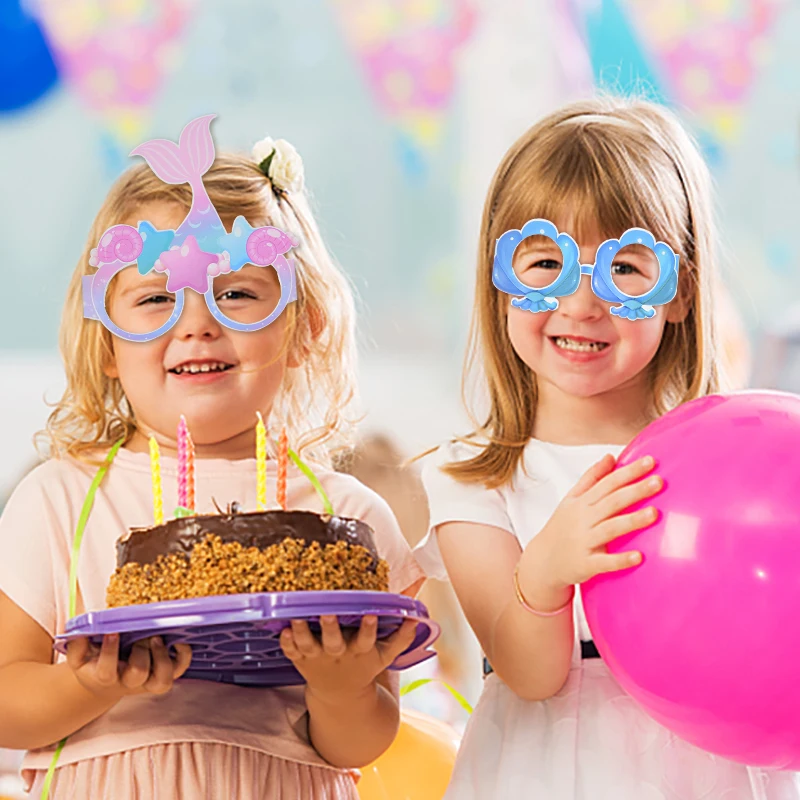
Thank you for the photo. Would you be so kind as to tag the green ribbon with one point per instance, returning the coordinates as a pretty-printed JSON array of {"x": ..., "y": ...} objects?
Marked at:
[
  {"x": 51, "y": 770},
  {"x": 306, "y": 470},
  {"x": 78, "y": 538},
  {"x": 414, "y": 685},
  {"x": 73, "y": 582}
]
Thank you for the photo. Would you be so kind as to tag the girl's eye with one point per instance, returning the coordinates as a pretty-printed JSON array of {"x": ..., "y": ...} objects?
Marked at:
[
  {"x": 624, "y": 269},
  {"x": 545, "y": 263},
  {"x": 539, "y": 272},
  {"x": 155, "y": 299},
  {"x": 236, "y": 294}
]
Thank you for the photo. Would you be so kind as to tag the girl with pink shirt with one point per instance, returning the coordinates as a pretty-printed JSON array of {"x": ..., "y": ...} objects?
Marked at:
[{"x": 132, "y": 729}]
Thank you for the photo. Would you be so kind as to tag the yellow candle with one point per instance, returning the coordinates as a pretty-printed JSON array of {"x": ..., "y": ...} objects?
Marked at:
[
  {"x": 155, "y": 474},
  {"x": 261, "y": 464}
]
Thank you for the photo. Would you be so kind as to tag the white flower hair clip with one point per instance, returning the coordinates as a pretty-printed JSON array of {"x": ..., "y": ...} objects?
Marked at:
[{"x": 281, "y": 163}]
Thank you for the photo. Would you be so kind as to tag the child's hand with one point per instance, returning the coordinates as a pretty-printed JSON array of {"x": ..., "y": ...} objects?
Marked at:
[
  {"x": 337, "y": 665},
  {"x": 149, "y": 668},
  {"x": 571, "y": 548}
]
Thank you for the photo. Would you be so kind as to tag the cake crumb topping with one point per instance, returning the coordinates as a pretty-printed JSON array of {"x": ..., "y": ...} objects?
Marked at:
[{"x": 216, "y": 568}]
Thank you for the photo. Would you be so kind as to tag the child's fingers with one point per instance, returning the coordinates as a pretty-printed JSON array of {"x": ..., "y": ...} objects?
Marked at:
[
  {"x": 304, "y": 640},
  {"x": 623, "y": 498},
  {"x": 614, "y": 562},
  {"x": 618, "y": 478},
  {"x": 106, "y": 671},
  {"x": 367, "y": 635},
  {"x": 399, "y": 641},
  {"x": 288, "y": 646},
  {"x": 182, "y": 661},
  {"x": 592, "y": 475},
  {"x": 77, "y": 650},
  {"x": 618, "y": 526},
  {"x": 137, "y": 671},
  {"x": 333, "y": 642},
  {"x": 160, "y": 680}
]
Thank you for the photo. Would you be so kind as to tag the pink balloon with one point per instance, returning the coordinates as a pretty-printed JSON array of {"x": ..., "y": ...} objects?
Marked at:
[{"x": 705, "y": 633}]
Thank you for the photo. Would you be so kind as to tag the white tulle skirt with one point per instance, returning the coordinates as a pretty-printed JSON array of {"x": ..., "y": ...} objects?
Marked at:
[{"x": 592, "y": 742}]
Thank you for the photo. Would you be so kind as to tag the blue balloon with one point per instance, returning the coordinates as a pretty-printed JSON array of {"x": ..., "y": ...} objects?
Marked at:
[{"x": 27, "y": 68}]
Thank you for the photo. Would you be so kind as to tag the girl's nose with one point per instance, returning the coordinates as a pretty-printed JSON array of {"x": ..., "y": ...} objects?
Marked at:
[
  {"x": 583, "y": 304},
  {"x": 196, "y": 320}
]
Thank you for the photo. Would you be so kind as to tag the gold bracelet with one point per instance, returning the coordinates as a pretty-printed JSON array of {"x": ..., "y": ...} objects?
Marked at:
[{"x": 524, "y": 603}]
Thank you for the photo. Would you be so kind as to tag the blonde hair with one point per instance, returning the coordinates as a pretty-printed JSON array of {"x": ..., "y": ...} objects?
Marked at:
[
  {"x": 606, "y": 163},
  {"x": 314, "y": 399}
]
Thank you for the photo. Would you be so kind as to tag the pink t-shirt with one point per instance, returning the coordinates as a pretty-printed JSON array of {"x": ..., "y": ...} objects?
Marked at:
[{"x": 36, "y": 531}]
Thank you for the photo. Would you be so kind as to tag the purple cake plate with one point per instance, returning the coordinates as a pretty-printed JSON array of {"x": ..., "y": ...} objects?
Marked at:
[{"x": 235, "y": 638}]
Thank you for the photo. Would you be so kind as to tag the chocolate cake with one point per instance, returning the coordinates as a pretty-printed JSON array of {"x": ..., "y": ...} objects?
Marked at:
[{"x": 234, "y": 553}]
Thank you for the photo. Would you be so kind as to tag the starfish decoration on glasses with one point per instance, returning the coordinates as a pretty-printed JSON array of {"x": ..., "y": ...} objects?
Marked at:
[
  {"x": 154, "y": 243},
  {"x": 259, "y": 246},
  {"x": 187, "y": 266}
]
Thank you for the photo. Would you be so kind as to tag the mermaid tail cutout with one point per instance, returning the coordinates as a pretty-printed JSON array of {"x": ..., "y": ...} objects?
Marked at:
[{"x": 187, "y": 162}]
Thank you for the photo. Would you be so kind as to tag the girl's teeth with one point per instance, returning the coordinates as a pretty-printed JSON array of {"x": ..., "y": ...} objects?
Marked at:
[
  {"x": 580, "y": 347},
  {"x": 195, "y": 368}
]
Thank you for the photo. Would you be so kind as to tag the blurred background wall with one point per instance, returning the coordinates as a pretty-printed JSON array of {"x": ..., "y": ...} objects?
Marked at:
[{"x": 400, "y": 109}]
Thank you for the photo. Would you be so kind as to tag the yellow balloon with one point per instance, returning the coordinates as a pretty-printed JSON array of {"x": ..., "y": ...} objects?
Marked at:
[{"x": 417, "y": 766}]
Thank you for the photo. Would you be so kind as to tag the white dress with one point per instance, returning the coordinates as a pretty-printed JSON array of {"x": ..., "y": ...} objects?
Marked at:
[{"x": 591, "y": 741}]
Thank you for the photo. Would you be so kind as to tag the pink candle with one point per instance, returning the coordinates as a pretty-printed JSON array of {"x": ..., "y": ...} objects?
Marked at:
[
  {"x": 189, "y": 471},
  {"x": 183, "y": 435}
]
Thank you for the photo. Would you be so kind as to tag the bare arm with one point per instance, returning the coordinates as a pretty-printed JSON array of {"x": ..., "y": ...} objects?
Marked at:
[
  {"x": 532, "y": 653},
  {"x": 353, "y": 730},
  {"x": 352, "y": 699},
  {"x": 42, "y": 702}
]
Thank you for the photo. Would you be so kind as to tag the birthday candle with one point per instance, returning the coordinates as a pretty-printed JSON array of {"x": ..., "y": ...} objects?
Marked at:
[
  {"x": 261, "y": 464},
  {"x": 182, "y": 433},
  {"x": 283, "y": 457},
  {"x": 189, "y": 471},
  {"x": 155, "y": 475}
]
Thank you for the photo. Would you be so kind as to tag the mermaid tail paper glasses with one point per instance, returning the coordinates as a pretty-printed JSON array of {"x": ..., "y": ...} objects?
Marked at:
[{"x": 195, "y": 256}]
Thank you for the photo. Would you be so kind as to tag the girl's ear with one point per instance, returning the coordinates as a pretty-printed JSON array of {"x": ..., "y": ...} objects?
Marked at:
[
  {"x": 110, "y": 363},
  {"x": 294, "y": 358},
  {"x": 316, "y": 324},
  {"x": 677, "y": 310}
]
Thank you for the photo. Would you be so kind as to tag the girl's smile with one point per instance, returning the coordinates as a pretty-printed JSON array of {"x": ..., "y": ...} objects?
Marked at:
[
  {"x": 579, "y": 349},
  {"x": 201, "y": 371},
  {"x": 204, "y": 366}
]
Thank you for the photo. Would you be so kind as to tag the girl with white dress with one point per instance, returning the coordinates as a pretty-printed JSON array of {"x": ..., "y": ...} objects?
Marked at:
[{"x": 522, "y": 508}]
